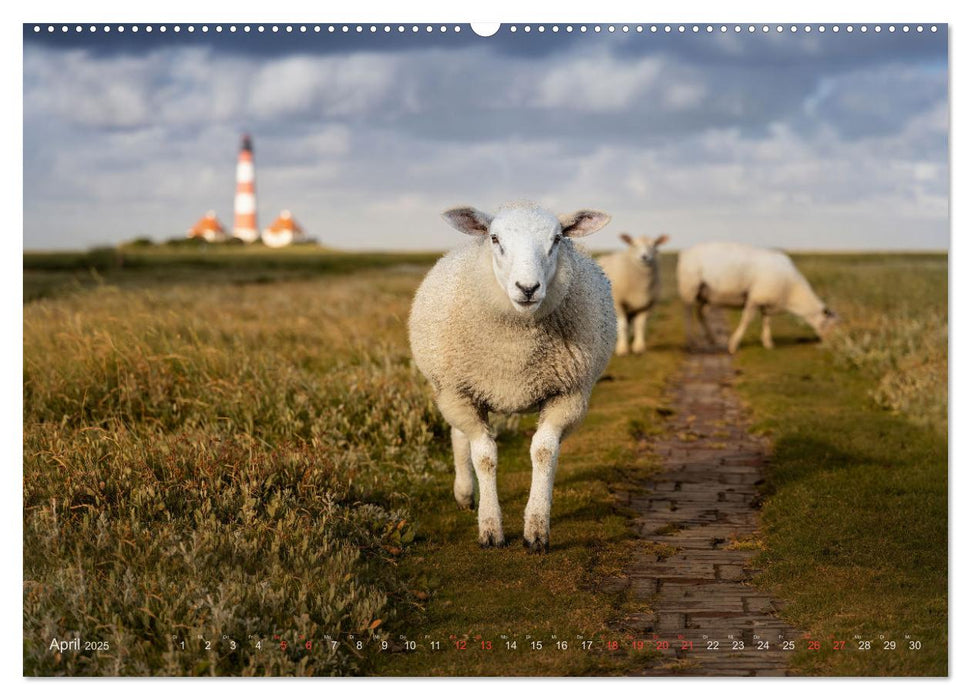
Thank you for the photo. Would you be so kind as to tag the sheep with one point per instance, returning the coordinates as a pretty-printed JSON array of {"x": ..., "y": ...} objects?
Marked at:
[
  {"x": 754, "y": 279},
  {"x": 515, "y": 320},
  {"x": 636, "y": 285}
]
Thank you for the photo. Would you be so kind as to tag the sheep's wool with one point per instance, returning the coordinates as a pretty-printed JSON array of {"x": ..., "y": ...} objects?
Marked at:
[{"x": 466, "y": 336}]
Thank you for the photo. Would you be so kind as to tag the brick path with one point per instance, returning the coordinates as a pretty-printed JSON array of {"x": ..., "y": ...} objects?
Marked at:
[{"x": 698, "y": 518}]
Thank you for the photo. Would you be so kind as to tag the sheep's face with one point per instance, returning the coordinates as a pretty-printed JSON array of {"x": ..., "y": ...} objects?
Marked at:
[
  {"x": 643, "y": 250},
  {"x": 824, "y": 321},
  {"x": 525, "y": 243}
]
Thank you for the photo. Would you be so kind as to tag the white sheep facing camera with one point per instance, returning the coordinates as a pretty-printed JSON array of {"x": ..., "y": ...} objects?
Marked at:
[{"x": 515, "y": 320}]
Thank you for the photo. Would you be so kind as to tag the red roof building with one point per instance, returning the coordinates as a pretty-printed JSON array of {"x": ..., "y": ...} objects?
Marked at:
[
  {"x": 284, "y": 231},
  {"x": 208, "y": 228}
]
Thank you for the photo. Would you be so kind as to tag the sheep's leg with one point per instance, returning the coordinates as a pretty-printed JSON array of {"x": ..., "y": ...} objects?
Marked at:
[
  {"x": 766, "y": 332},
  {"x": 702, "y": 313},
  {"x": 748, "y": 313},
  {"x": 558, "y": 417},
  {"x": 461, "y": 414},
  {"x": 464, "y": 472},
  {"x": 689, "y": 324},
  {"x": 623, "y": 334},
  {"x": 640, "y": 333}
]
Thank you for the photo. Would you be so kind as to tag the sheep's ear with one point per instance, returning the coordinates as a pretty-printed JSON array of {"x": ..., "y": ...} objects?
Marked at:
[
  {"x": 663, "y": 238},
  {"x": 626, "y": 239},
  {"x": 583, "y": 222},
  {"x": 468, "y": 220}
]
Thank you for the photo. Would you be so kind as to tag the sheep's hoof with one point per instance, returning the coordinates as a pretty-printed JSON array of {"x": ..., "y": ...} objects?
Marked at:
[
  {"x": 465, "y": 502},
  {"x": 640, "y": 350},
  {"x": 490, "y": 535},
  {"x": 537, "y": 546},
  {"x": 491, "y": 540},
  {"x": 621, "y": 352}
]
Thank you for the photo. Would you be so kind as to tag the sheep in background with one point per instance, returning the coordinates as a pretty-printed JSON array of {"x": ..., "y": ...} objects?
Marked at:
[
  {"x": 635, "y": 282},
  {"x": 515, "y": 320},
  {"x": 753, "y": 279}
]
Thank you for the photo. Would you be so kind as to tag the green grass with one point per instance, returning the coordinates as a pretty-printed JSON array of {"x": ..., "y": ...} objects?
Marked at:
[
  {"x": 236, "y": 448},
  {"x": 49, "y": 274},
  {"x": 855, "y": 520}
]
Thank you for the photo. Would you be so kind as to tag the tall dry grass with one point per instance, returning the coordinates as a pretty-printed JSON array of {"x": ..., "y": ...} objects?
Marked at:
[
  {"x": 226, "y": 463},
  {"x": 894, "y": 328}
]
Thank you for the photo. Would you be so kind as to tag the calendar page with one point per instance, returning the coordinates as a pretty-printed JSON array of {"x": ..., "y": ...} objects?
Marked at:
[{"x": 544, "y": 349}]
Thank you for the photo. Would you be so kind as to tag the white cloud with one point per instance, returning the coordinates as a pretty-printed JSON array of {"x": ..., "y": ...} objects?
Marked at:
[
  {"x": 598, "y": 83},
  {"x": 333, "y": 86}
]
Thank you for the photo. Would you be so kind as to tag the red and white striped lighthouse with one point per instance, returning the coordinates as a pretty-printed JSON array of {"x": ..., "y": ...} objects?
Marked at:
[{"x": 244, "y": 223}]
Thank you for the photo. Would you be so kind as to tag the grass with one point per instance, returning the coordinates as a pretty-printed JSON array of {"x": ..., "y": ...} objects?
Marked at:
[
  {"x": 210, "y": 467},
  {"x": 855, "y": 518},
  {"x": 51, "y": 274},
  {"x": 236, "y": 450},
  {"x": 200, "y": 464}
]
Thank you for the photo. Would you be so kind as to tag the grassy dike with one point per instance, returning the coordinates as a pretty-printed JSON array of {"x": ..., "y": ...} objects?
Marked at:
[
  {"x": 244, "y": 453},
  {"x": 855, "y": 515},
  {"x": 213, "y": 468}
]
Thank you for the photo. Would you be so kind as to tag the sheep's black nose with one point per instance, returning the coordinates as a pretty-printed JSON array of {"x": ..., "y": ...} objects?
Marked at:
[{"x": 528, "y": 292}]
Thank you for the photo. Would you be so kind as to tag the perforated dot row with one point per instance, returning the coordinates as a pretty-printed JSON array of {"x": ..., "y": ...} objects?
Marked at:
[
  {"x": 428, "y": 28},
  {"x": 232, "y": 28}
]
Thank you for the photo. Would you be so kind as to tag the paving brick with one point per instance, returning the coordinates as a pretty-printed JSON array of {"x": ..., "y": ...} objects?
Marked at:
[{"x": 703, "y": 503}]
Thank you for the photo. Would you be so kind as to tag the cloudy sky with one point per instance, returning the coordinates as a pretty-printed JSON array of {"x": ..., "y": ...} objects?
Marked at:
[{"x": 806, "y": 141}]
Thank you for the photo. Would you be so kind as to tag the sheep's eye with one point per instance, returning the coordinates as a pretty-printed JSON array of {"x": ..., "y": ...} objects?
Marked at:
[
  {"x": 557, "y": 238},
  {"x": 495, "y": 239}
]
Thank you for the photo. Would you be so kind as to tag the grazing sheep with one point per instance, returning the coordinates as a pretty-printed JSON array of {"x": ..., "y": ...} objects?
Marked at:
[
  {"x": 753, "y": 279},
  {"x": 515, "y": 320},
  {"x": 636, "y": 285}
]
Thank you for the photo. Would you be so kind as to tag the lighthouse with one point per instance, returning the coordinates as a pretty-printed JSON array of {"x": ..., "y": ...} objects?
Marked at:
[{"x": 244, "y": 223}]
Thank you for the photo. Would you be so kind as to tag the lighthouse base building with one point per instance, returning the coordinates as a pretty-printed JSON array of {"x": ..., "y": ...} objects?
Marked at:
[
  {"x": 208, "y": 229},
  {"x": 283, "y": 232}
]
